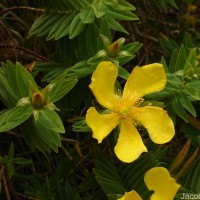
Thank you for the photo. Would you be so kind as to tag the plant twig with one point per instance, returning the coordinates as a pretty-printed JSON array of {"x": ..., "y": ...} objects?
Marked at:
[
  {"x": 11, "y": 38},
  {"x": 26, "y": 51},
  {"x": 22, "y": 8},
  {"x": 2, "y": 173}
]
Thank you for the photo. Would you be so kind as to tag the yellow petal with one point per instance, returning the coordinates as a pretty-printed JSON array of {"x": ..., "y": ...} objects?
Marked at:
[
  {"x": 145, "y": 80},
  {"x": 159, "y": 180},
  {"x": 157, "y": 122},
  {"x": 102, "y": 85},
  {"x": 129, "y": 145},
  {"x": 101, "y": 124},
  {"x": 132, "y": 195}
]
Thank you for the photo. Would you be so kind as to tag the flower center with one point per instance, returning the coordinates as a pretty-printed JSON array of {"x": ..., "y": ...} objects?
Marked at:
[{"x": 124, "y": 111}]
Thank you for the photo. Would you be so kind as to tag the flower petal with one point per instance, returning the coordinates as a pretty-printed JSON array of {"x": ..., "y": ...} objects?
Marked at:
[
  {"x": 101, "y": 124},
  {"x": 102, "y": 86},
  {"x": 159, "y": 180},
  {"x": 129, "y": 145},
  {"x": 145, "y": 80},
  {"x": 132, "y": 195},
  {"x": 157, "y": 122}
]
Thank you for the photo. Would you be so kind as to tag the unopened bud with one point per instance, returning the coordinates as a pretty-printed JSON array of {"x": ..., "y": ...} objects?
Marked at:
[
  {"x": 38, "y": 99},
  {"x": 113, "y": 50}
]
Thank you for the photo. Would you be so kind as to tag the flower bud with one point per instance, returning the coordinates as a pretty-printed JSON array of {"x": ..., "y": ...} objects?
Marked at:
[
  {"x": 38, "y": 99},
  {"x": 113, "y": 49}
]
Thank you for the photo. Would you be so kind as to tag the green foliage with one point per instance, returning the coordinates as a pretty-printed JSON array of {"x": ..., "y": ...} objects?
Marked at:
[
  {"x": 49, "y": 50},
  {"x": 24, "y": 99},
  {"x": 191, "y": 180},
  {"x": 182, "y": 87},
  {"x": 72, "y": 18},
  {"x": 10, "y": 161},
  {"x": 14, "y": 117}
]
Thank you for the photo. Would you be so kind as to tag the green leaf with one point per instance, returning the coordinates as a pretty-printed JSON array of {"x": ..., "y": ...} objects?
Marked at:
[
  {"x": 192, "y": 179},
  {"x": 180, "y": 60},
  {"x": 133, "y": 48},
  {"x": 188, "y": 40},
  {"x": 23, "y": 78},
  {"x": 64, "y": 28},
  {"x": 10, "y": 168},
  {"x": 100, "y": 9},
  {"x": 33, "y": 137},
  {"x": 163, "y": 62},
  {"x": 114, "y": 25},
  {"x": 123, "y": 73},
  {"x": 168, "y": 45},
  {"x": 9, "y": 80},
  {"x": 76, "y": 27},
  {"x": 56, "y": 26},
  {"x": 81, "y": 126},
  {"x": 111, "y": 2},
  {"x": 106, "y": 174},
  {"x": 21, "y": 161},
  {"x": 186, "y": 103},
  {"x": 50, "y": 120},
  {"x": 81, "y": 69},
  {"x": 172, "y": 62},
  {"x": 172, "y": 3},
  {"x": 122, "y": 14},
  {"x": 11, "y": 150},
  {"x": 61, "y": 88},
  {"x": 71, "y": 193},
  {"x": 45, "y": 28},
  {"x": 91, "y": 32},
  {"x": 193, "y": 89},
  {"x": 87, "y": 15},
  {"x": 105, "y": 30},
  {"x": 6, "y": 97},
  {"x": 49, "y": 24},
  {"x": 123, "y": 5},
  {"x": 38, "y": 23},
  {"x": 49, "y": 137},
  {"x": 179, "y": 109},
  {"x": 173, "y": 82},
  {"x": 190, "y": 62},
  {"x": 14, "y": 117}
]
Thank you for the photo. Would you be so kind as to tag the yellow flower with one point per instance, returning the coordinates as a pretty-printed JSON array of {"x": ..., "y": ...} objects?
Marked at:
[
  {"x": 132, "y": 195},
  {"x": 125, "y": 109},
  {"x": 159, "y": 180}
]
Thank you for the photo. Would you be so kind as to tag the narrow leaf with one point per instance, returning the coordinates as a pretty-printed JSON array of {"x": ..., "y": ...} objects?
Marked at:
[
  {"x": 187, "y": 165},
  {"x": 55, "y": 28},
  {"x": 61, "y": 88},
  {"x": 50, "y": 120},
  {"x": 122, "y": 15},
  {"x": 186, "y": 103},
  {"x": 114, "y": 25},
  {"x": 181, "y": 58},
  {"x": 63, "y": 30},
  {"x": 14, "y": 117},
  {"x": 180, "y": 157},
  {"x": 180, "y": 111},
  {"x": 87, "y": 15},
  {"x": 76, "y": 27}
]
